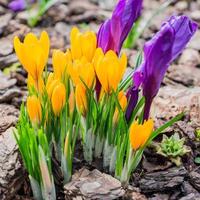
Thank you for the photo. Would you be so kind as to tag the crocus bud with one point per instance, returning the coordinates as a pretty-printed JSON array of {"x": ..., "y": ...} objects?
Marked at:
[
  {"x": 33, "y": 53},
  {"x": 159, "y": 52},
  {"x": 61, "y": 61},
  {"x": 50, "y": 87},
  {"x": 81, "y": 99},
  {"x": 114, "y": 31},
  {"x": 34, "y": 109},
  {"x": 58, "y": 98},
  {"x": 82, "y": 44},
  {"x": 140, "y": 133},
  {"x": 82, "y": 72},
  {"x": 109, "y": 69}
]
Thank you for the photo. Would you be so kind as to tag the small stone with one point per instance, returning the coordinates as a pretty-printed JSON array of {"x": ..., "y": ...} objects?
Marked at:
[
  {"x": 63, "y": 29},
  {"x": 134, "y": 195},
  {"x": 108, "y": 5},
  {"x": 58, "y": 12},
  {"x": 181, "y": 5},
  {"x": 195, "y": 15},
  {"x": 6, "y": 47},
  {"x": 171, "y": 101},
  {"x": 183, "y": 75},
  {"x": 6, "y": 61},
  {"x": 190, "y": 57},
  {"x": 2, "y": 10},
  {"x": 6, "y": 82},
  {"x": 78, "y": 7},
  {"x": 4, "y": 19},
  {"x": 93, "y": 185},
  {"x": 7, "y": 96}
]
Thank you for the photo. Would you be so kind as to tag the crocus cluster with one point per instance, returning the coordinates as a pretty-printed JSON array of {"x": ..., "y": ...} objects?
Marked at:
[{"x": 86, "y": 97}]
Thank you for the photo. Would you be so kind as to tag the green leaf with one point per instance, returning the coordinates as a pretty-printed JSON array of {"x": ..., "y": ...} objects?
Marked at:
[{"x": 166, "y": 125}]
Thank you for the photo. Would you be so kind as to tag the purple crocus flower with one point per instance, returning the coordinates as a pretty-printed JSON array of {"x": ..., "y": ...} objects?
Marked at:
[
  {"x": 114, "y": 31},
  {"x": 17, "y": 5},
  {"x": 159, "y": 52}
]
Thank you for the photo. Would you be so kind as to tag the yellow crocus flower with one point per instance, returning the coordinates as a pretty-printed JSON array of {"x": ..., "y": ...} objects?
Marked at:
[
  {"x": 140, "y": 133},
  {"x": 33, "y": 53},
  {"x": 34, "y": 109},
  {"x": 61, "y": 62},
  {"x": 82, "y": 44},
  {"x": 82, "y": 72},
  {"x": 81, "y": 99},
  {"x": 109, "y": 69},
  {"x": 58, "y": 98},
  {"x": 123, "y": 103},
  {"x": 51, "y": 83}
]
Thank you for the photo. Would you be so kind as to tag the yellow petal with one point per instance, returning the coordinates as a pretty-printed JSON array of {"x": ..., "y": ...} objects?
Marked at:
[
  {"x": 123, "y": 103},
  {"x": 122, "y": 100},
  {"x": 45, "y": 44},
  {"x": 75, "y": 40},
  {"x": 51, "y": 87},
  {"x": 81, "y": 99},
  {"x": 58, "y": 98},
  {"x": 122, "y": 66},
  {"x": 34, "y": 109},
  {"x": 147, "y": 130},
  {"x": 30, "y": 38},
  {"x": 88, "y": 44},
  {"x": 98, "y": 56},
  {"x": 18, "y": 50},
  {"x": 134, "y": 136},
  {"x": 140, "y": 133},
  {"x": 59, "y": 62},
  {"x": 87, "y": 75}
]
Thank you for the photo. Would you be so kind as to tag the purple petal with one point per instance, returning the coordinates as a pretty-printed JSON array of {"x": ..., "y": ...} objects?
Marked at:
[
  {"x": 184, "y": 29},
  {"x": 114, "y": 31},
  {"x": 132, "y": 96},
  {"x": 131, "y": 13}
]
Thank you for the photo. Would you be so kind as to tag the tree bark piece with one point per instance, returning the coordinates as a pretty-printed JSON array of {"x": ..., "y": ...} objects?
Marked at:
[
  {"x": 163, "y": 180},
  {"x": 195, "y": 180}
]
